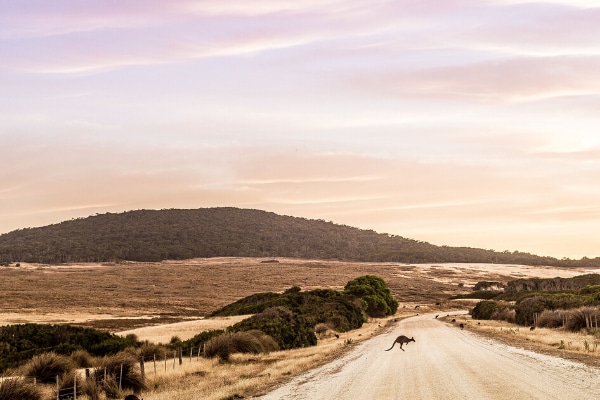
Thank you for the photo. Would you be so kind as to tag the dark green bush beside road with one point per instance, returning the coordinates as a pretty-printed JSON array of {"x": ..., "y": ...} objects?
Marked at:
[
  {"x": 20, "y": 343},
  {"x": 290, "y": 317}
]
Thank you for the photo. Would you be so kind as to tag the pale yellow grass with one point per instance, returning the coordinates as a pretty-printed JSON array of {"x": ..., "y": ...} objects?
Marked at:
[
  {"x": 583, "y": 345},
  {"x": 183, "y": 330},
  {"x": 249, "y": 375}
]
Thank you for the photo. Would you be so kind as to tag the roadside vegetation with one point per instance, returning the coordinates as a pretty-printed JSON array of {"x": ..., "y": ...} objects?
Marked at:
[
  {"x": 572, "y": 304},
  {"x": 294, "y": 319}
]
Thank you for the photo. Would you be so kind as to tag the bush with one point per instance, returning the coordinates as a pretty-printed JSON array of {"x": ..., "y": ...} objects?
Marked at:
[
  {"x": 321, "y": 328},
  {"x": 82, "y": 359},
  {"x": 132, "y": 378},
  {"x": 581, "y": 318},
  {"x": 148, "y": 351},
  {"x": 485, "y": 309},
  {"x": 252, "y": 341},
  {"x": 526, "y": 308},
  {"x": 375, "y": 292},
  {"x": 551, "y": 319},
  {"x": 288, "y": 329},
  {"x": 200, "y": 339},
  {"x": 505, "y": 314},
  {"x": 46, "y": 366},
  {"x": 17, "y": 388}
]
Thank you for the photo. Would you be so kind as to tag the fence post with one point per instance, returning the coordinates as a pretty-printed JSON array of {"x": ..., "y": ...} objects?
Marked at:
[
  {"x": 142, "y": 368},
  {"x": 57, "y": 389},
  {"x": 191, "y": 349},
  {"x": 174, "y": 357},
  {"x": 165, "y": 361},
  {"x": 75, "y": 386},
  {"x": 180, "y": 356},
  {"x": 154, "y": 365},
  {"x": 121, "y": 377}
]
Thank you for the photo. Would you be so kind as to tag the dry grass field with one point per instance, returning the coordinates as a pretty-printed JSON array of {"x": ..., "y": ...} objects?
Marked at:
[{"x": 159, "y": 300}]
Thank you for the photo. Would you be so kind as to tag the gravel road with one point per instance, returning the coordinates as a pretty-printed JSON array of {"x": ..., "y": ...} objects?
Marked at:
[{"x": 444, "y": 362}]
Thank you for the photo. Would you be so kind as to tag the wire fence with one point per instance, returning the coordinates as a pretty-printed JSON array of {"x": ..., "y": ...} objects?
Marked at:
[{"x": 162, "y": 363}]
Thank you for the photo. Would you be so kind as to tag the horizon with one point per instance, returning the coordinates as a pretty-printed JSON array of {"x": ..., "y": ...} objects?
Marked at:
[{"x": 469, "y": 123}]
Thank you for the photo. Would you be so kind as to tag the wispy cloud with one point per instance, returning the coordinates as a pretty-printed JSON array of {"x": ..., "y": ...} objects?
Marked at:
[{"x": 458, "y": 122}]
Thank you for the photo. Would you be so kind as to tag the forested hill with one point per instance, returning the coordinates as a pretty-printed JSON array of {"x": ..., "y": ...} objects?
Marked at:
[{"x": 154, "y": 235}]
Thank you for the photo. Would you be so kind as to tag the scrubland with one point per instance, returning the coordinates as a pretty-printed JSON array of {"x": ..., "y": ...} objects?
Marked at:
[{"x": 156, "y": 301}]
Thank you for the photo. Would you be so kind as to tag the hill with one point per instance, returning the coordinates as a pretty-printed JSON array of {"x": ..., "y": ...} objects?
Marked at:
[{"x": 176, "y": 234}]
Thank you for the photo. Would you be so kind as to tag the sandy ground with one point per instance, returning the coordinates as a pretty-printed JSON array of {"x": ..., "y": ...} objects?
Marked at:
[
  {"x": 12, "y": 318},
  {"x": 184, "y": 330},
  {"x": 444, "y": 362}
]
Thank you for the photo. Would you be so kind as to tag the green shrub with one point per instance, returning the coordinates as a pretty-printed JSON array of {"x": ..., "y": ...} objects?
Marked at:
[
  {"x": 200, "y": 339},
  {"x": 527, "y": 308},
  {"x": 290, "y": 330},
  {"x": 46, "y": 366},
  {"x": 369, "y": 288},
  {"x": 486, "y": 309},
  {"x": 17, "y": 388}
]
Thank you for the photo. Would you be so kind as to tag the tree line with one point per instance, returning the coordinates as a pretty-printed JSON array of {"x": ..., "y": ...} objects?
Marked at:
[{"x": 177, "y": 234}]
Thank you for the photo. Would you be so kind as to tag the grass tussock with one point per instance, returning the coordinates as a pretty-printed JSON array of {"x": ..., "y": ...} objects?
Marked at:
[
  {"x": 121, "y": 368},
  {"x": 82, "y": 359},
  {"x": 18, "y": 388},
  {"x": 46, "y": 367},
  {"x": 252, "y": 341}
]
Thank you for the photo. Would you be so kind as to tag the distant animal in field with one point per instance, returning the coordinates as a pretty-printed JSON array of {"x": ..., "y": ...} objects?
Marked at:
[
  {"x": 337, "y": 336},
  {"x": 437, "y": 316},
  {"x": 532, "y": 328},
  {"x": 401, "y": 340},
  {"x": 132, "y": 397},
  {"x": 462, "y": 326},
  {"x": 453, "y": 319}
]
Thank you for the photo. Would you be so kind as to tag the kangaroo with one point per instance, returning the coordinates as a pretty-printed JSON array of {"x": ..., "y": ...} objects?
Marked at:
[{"x": 402, "y": 340}]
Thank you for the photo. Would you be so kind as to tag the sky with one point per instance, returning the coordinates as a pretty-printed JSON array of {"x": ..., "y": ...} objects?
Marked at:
[{"x": 455, "y": 122}]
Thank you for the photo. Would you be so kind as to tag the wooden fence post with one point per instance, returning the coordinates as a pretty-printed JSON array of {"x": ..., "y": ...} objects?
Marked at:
[
  {"x": 180, "y": 356},
  {"x": 142, "y": 368},
  {"x": 154, "y": 365},
  {"x": 121, "y": 377},
  {"x": 57, "y": 389}
]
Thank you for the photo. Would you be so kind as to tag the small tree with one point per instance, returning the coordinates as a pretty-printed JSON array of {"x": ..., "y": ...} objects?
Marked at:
[{"x": 375, "y": 292}]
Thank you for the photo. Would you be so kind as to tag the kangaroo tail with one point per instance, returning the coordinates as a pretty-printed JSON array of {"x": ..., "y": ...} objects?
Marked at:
[{"x": 391, "y": 347}]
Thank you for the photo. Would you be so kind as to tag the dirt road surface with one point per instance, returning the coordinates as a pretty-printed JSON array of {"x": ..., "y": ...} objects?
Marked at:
[{"x": 444, "y": 362}]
